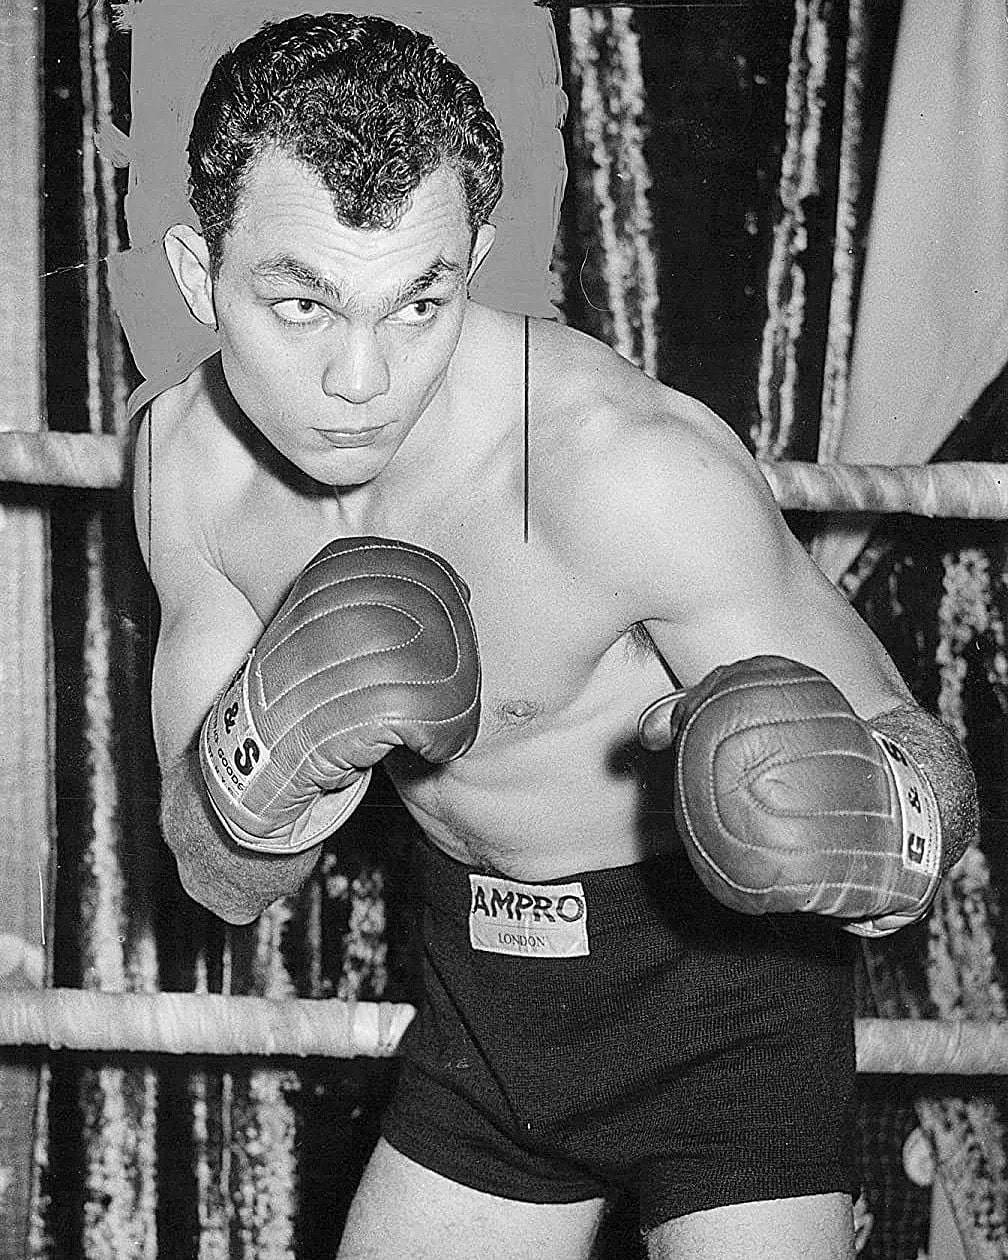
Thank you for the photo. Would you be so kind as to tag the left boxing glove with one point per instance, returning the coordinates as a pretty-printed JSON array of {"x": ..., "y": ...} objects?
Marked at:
[
  {"x": 786, "y": 800},
  {"x": 374, "y": 647}
]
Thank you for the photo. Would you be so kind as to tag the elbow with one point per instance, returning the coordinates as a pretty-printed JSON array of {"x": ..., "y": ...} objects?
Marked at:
[
  {"x": 205, "y": 865},
  {"x": 234, "y": 885},
  {"x": 231, "y": 882},
  {"x": 234, "y": 910}
]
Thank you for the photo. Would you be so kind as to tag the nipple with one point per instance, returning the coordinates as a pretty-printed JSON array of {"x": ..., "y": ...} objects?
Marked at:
[{"x": 512, "y": 712}]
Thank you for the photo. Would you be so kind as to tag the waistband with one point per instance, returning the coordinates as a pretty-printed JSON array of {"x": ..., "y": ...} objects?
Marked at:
[{"x": 616, "y": 896}]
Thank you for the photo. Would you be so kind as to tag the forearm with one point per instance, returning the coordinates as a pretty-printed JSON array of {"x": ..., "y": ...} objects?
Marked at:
[
  {"x": 943, "y": 761},
  {"x": 233, "y": 882}
]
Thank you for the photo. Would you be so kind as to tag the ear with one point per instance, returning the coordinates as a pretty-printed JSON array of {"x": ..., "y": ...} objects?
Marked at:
[
  {"x": 189, "y": 260},
  {"x": 485, "y": 237}
]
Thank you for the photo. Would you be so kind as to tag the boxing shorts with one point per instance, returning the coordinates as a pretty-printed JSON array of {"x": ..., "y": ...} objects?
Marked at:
[{"x": 621, "y": 1030}]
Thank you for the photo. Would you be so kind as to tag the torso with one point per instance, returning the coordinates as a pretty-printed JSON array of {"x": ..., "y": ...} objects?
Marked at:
[{"x": 555, "y": 782}]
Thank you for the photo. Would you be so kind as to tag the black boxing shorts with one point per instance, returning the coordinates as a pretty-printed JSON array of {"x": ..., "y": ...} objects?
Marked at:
[{"x": 620, "y": 1029}]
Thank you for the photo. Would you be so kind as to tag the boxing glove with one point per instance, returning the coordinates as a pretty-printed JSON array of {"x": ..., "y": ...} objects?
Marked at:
[
  {"x": 786, "y": 800},
  {"x": 373, "y": 648}
]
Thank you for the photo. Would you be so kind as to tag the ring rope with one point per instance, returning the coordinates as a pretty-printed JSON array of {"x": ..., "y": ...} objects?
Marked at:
[
  {"x": 197, "y": 1023},
  {"x": 947, "y": 1047},
  {"x": 91, "y": 461},
  {"x": 969, "y": 491},
  {"x": 966, "y": 490},
  {"x": 209, "y": 1024}
]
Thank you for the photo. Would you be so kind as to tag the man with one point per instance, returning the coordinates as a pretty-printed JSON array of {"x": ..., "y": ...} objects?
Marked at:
[{"x": 368, "y": 442}]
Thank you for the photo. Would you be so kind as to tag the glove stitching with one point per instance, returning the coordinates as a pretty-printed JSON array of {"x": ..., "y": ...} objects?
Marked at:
[
  {"x": 346, "y": 730},
  {"x": 331, "y": 583},
  {"x": 422, "y": 629},
  {"x": 726, "y": 833},
  {"x": 774, "y": 763},
  {"x": 374, "y": 719},
  {"x": 680, "y": 785},
  {"x": 430, "y": 722},
  {"x": 346, "y": 660},
  {"x": 304, "y": 620},
  {"x": 355, "y": 547},
  {"x": 326, "y": 556},
  {"x": 450, "y": 618},
  {"x": 364, "y": 575},
  {"x": 784, "y": 759}
]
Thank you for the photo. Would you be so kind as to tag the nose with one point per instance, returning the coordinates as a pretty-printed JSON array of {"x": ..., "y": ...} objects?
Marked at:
[{"x": 356, "y": 370}]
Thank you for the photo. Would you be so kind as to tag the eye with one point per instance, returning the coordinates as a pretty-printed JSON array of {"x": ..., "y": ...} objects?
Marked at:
[
  {"x": 423, "y": 311},
  {"x": 297, "y": 311}
]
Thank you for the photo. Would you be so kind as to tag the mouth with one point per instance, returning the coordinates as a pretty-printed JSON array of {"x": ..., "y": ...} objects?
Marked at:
[{"x": 345, "y": 438}]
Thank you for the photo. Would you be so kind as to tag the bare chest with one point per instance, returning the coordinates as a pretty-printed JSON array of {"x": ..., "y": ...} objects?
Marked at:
[
  {"x": 562, "y": 684},
  {"x": 543, "y": 635}
]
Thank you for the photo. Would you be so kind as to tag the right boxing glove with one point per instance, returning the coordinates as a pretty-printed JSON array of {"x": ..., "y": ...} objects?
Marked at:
[{"x": 374, "y": 647}]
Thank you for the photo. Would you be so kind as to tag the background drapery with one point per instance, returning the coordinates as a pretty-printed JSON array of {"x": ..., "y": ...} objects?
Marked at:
[
  {"x": 722, "y": 165},
  {"x": 932, "y": 327}
]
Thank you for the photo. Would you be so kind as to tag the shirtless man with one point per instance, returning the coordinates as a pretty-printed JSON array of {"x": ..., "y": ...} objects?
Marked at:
[{"x": 593, "y": 1016}]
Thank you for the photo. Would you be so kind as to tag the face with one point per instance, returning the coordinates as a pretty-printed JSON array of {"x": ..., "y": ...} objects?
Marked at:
[{"x": 335, "y": 341}]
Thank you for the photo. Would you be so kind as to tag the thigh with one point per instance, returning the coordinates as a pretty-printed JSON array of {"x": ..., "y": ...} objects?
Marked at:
[
  {"x": 812, "y": 1227},
  {"x": 403, "y": 1209}
]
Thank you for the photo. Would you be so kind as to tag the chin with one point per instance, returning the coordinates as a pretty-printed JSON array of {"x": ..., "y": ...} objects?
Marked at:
[{"x": 345, "y": 473}]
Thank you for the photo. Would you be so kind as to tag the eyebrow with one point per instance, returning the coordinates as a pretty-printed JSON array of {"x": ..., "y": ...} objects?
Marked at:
[{"x": 286, "y": 267}]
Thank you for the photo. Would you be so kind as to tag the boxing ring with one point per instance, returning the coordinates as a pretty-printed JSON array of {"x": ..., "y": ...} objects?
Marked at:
[{"x": 210, "y": 1024}]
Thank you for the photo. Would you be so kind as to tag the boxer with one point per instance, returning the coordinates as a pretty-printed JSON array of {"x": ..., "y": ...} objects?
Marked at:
[{"x": 335, "y": 508}]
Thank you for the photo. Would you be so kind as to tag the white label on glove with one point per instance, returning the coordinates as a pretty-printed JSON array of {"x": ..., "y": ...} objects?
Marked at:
[
  {"x": 235, "y": 752},
  {"x": 531, "y": 920},
  {"x": 918, "y": 807}
]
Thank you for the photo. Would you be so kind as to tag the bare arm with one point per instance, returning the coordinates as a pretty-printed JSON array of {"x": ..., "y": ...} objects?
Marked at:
[
  {"x": 207, "y": 629},
  {"x": 701, "y": 554}
]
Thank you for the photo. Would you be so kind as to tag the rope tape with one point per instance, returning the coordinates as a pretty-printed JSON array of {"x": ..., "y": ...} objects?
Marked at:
[
  {"x": 968, "y": 491},
  {"x": 197, "y": 1023},
  {"x": 208, "y": 1024}
]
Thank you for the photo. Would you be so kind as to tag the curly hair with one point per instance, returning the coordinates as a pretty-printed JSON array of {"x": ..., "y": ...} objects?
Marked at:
[{"x": 372, "y": 107}]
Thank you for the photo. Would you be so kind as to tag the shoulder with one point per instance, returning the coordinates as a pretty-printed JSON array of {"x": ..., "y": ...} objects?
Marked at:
[
  {"x": 600, "y": 402},
  {"x": 189, "y": 464},
  {"x": 623, "y": 458},
  {"x": 197, "y": 420}
]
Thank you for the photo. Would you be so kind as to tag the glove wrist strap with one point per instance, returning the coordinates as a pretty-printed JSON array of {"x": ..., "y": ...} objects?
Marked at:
[
  {"x": 232, "y": 756},
  {"x": 920, "y": 837}
]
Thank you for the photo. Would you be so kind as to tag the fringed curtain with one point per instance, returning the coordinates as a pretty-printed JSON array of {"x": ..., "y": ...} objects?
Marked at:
[
  {"x": 142, "y": 1159},
  {"x": 934, "y": 593}
]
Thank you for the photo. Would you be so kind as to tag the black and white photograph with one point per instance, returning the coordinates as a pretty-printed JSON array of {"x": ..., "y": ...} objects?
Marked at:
[{"x": 503, "y": 652}]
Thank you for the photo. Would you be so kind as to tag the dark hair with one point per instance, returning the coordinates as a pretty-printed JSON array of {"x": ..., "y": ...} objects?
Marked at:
[{"x": 370, "y": 106}]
